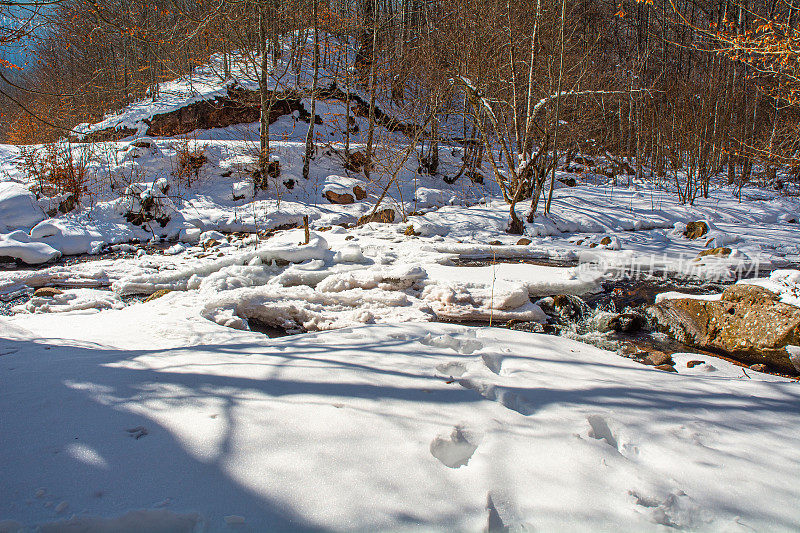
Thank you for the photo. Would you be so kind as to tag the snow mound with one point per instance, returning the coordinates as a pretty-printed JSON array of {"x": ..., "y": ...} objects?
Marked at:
[
  {"x": 285, "y": 247},
  {"x": 18, "y": 245},
  {"x": 19, "y": 208},
  {"x": 92, "y": 300}
]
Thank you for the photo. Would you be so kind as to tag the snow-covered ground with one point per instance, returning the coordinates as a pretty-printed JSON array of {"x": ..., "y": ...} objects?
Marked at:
[{"x": 147, "y": 415}]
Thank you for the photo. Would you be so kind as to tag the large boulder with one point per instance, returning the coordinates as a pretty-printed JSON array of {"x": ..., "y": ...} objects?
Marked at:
[
  {"x": 748, "y": 322},
  {"x": 695, "y": 230}
]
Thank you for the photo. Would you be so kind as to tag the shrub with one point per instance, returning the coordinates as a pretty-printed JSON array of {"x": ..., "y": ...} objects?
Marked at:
[{"x": 190, "y": 160}]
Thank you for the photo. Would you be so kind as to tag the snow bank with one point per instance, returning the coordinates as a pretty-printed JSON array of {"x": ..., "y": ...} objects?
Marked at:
[
  {"x": 284, "y": 247},
  {"x": 380, "y": 428},
  {"x": 68, "y": 236},
  {"x": 18, "y": 245},
  {"x": 19, "y": 208}
]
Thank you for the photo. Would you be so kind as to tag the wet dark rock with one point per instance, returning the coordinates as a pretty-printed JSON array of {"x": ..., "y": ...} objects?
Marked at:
[{"x": 564, "y": 307}]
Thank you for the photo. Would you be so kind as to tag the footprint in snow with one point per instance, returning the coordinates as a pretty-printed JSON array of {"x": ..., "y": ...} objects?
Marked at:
[
  {"x": 138, "y": 432},
  {"x": 600, "y": 430},
  {"x": 455, "y": 450},
  {"x": 676, "y": 510},
  {"x": 493, "y": 362},
  {"x": 452, "y": 369},
  {"x": 460, "y": 345},
  {"x": 506, "y": 398}
]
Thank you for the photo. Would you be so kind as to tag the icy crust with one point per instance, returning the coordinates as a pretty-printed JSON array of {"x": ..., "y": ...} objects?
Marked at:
[
  {"x": 283, "y": 248},
  {"x": 379, "y": 427},
  {"x": 91, "y": 300}
]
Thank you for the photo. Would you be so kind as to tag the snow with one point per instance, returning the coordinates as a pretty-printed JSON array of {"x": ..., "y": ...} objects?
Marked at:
[
  {"x": 393, "y": 426},
  {"x": 18, "y": 207},
  {"x": 89, "y": 300},
  {"x": 18, "y": 245},
  {"x": 674, "y": 295}
]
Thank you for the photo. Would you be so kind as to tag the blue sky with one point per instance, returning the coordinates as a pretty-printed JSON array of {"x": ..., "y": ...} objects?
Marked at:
[{"x": 16, "y": 53}]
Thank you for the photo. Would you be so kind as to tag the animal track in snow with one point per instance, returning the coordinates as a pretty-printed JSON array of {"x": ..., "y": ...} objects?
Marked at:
[
  {"x": 506, "y": 398},
  {"x": 455, "y": 450},
  {"x": 138, "y": 432},
  {"x": 453, "y": 369},
  {"x": 600, "y": 431},
  {"x": 493, "y": 362},
  {"x": 676, "y": 510},
  {"x": 463, "y": 346}
]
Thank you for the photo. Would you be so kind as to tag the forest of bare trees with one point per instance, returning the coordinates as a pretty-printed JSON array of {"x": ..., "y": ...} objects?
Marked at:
[{"x": 707, "y": 86}]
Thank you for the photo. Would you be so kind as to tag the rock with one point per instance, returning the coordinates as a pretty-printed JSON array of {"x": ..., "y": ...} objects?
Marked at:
[
  {"x": 495, "y": 243},
  {"x": 665, "y": 368},
  {"x": 569, "y": 182},
  {"x": 341, "y": 199},
  {"x": 238, "y": 106},
  {"x": 359, "y": 193},
  {"x": 695, "y": 230},
  {"x": 384, "y": 216},
  {"x": 47, "y": 292},
  {"x": 605, "y": 241},
  {"x": 524, "y": 241},
  {"x": 410, "y": 232},
  {"x": 719, "y": 252},
  {"x": 564, "y": 306},
  {"x": 658, "y": 358},
  {"x": 623, "y": 322},
  {"x": 758, "y": 368},
  {"x": 210, "y": 243},
  {"x": 694, "y": 363},
  {"x": 158, "y": 294},
  {"x": 142, "y": 143},
  {"x": 749, "y": 323},
  {"x": 630, "y": 322}
]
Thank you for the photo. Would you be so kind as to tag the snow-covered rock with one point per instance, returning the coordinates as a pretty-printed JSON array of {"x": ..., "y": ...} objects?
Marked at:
[{"x": 19, "y": 208}]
